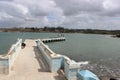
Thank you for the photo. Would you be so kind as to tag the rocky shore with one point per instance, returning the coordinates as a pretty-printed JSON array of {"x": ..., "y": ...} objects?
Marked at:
[{"x": 104, "y": 72}]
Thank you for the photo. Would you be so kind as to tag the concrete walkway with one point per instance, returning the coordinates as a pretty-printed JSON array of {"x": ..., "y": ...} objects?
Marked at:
[{"x": 30, "y": 65}]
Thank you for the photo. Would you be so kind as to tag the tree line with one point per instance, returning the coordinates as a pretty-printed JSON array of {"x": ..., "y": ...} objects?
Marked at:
[{"x": 59, "y": 29}]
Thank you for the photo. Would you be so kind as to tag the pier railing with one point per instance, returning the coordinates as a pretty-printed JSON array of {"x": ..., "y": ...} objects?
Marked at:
[
  {"x": 57, "y": 62},
  {"x": 53, "y": 59},
  {"x": 7, "y": 61},
  {"x": 14, "y": 51}
]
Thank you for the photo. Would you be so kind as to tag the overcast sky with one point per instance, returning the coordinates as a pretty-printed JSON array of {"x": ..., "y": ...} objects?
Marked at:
[{"x": 81, "y": 14}]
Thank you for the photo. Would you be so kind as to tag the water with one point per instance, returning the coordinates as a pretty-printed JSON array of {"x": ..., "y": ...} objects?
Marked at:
[
  {"x": 89, "y": 47},
  {"x": 98, "y": 49},
  {"x": 9, "y": 38},
  {"x": 102, "y": 51}
]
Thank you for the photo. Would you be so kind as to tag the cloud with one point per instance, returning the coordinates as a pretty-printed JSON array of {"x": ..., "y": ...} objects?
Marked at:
[
  {"x": 56, "y": 17},
  {"x": 37, "y": 7},
  {"x": 73, "y": 7},
  {"x": 100, "y": 14},
  {"x": 27, "y": 10},
  {"x": 87, "y": 21},
  {"x": 111, "y": 7},
  {"x": 99, "y": 7},
  {"x": 90, "y": 13},
  {"x": 9, "y": 21},
  {"x": 13, "y": 9}
]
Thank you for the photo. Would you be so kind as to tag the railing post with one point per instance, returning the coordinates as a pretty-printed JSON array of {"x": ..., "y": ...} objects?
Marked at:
[
  {"x": 4, "y": 66},
  {"x": 56, "y": 61},
  {"x": 71, "y": 69}
]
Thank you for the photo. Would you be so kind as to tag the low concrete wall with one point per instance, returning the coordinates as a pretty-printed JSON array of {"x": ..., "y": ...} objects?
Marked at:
[
  {"x": 57, "y": 61},
  {"x": 14, "y": 51},
  {"x": 53, "y": 60},
  {"x": 4, "y": 66},
  {"x": 72, "y": 67},
  {"x": 7, "y": 61},
  {"x": 43, "y": 51}
]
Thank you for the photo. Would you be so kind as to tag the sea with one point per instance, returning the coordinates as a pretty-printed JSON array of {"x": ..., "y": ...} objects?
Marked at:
[{"x": 99, "y": 50}]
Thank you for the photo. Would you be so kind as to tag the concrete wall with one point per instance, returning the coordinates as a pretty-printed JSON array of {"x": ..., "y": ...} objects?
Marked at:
[
  {"x": 13, "y": 53},
  {"x": 71, "y": 69},
  {"x": 54, "y": 60},
  {"x": 57, "y": 61},
  {"x": 43, "y": 52},
  {"x": 7, "y": 61},
  {"x": 4, "y": 66}
]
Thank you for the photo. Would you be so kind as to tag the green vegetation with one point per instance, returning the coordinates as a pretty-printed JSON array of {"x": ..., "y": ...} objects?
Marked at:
[{"x": 60, "y": 29}]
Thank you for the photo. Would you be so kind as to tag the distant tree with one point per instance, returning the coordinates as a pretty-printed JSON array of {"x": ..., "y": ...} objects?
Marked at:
[
  {"x": 32, "y": 28},
  {"x": 60, "y": 29},
  {"x": 45, "y": 28}
]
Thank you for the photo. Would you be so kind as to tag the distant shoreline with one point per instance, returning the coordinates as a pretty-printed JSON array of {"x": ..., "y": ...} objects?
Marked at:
[{"x": 61, "y": 30}]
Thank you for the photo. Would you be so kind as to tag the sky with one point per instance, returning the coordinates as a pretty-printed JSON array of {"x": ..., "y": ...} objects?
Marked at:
[{"x": 80, "y": 14}]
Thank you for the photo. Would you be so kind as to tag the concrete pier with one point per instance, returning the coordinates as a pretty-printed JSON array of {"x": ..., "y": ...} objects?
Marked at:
[
  {"x": 53, "y": 39},
  {"x": 36, "y": 61},
  {"x": 30, "y": 65}
]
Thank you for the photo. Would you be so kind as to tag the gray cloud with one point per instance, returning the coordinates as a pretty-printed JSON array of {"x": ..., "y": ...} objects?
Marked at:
[
  {"x": 72, "y": 7},
  {"x": 6, "y": 0},
  {"x": 21, "y": 11},
  {"x": 37, "y": 7},
  {"x": 90, "y": 13},
  {"x": 8, "y": 21},
  {"x": 100, "y": 14},
  {"x": 99, "y": 7},
  {"x": 13, "y": 9}
]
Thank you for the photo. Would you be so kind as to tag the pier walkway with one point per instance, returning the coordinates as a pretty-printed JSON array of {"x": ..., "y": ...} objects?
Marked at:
[{"x": 30, "y": 65}]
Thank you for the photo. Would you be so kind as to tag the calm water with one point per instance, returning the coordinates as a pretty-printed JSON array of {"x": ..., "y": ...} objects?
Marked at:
[
  {"x": 9, "y": 38},
  {"x": 89, "y": 47},
  {"x": 80, "y": 47}
]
